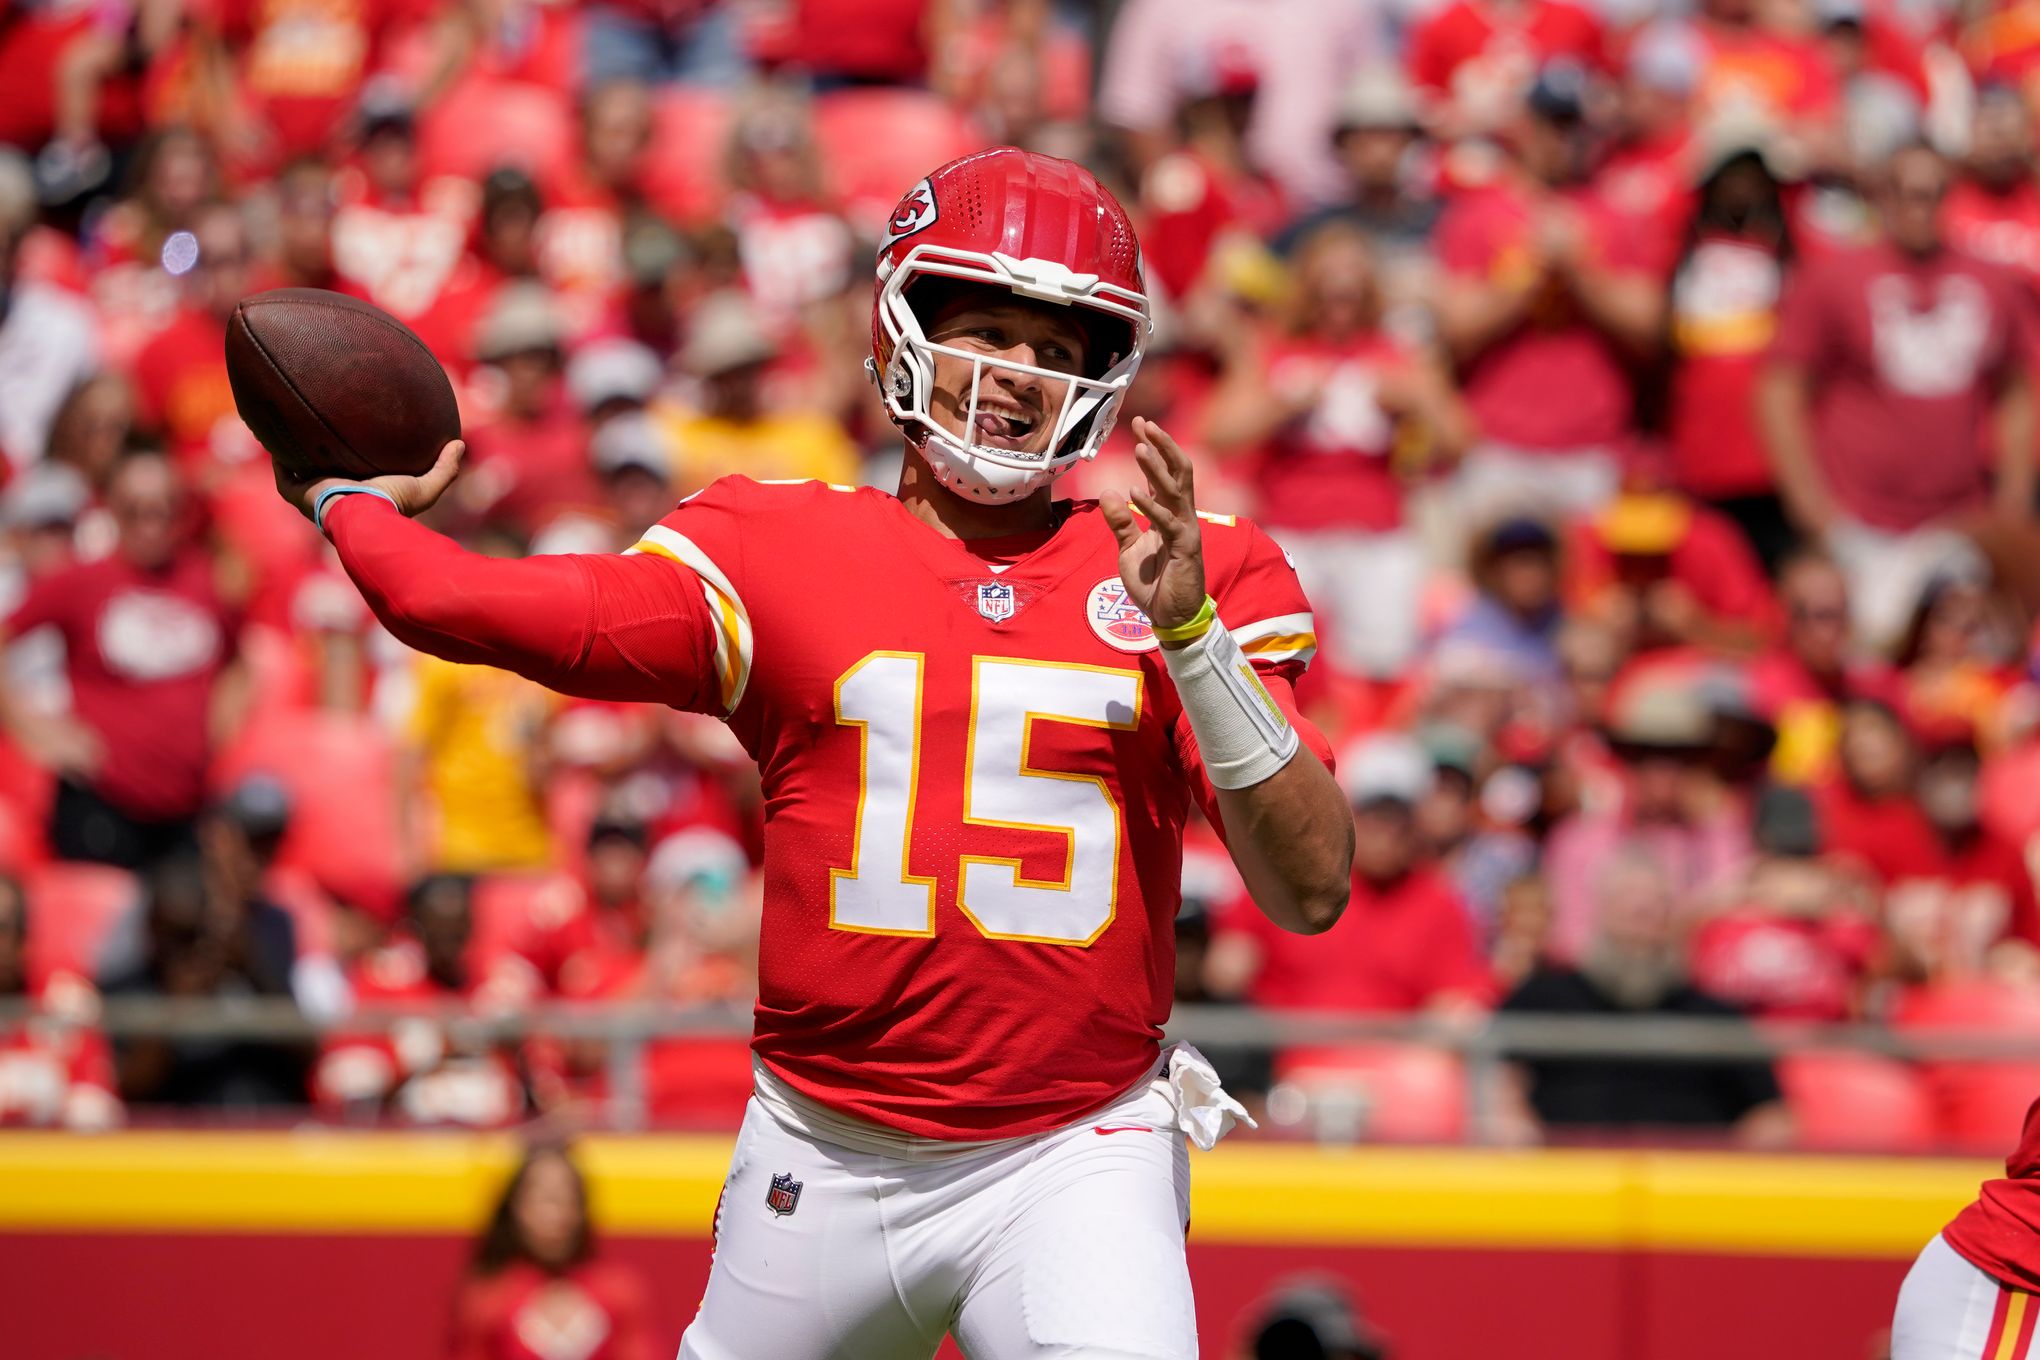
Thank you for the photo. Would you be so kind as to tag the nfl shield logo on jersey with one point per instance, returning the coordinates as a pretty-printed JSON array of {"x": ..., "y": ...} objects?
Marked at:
[
  {"x": 784, "y": 1196},
  {"x": 995, "y": 601}
]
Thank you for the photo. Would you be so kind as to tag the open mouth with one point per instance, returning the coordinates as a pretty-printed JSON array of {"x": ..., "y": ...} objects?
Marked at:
[{"x": 1004, "y": 427}]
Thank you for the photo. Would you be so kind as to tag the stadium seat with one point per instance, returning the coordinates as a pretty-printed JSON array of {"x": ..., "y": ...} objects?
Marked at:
[
  {"x": 683, "y": 171},
  {"x": 1408, "y": 1093},
  {"x": 1979, "y": 1104},
  {"x": 1858, "y": 1102},
  {"x": 508, "y": 908},
  {"x": 481, "y": 125},
  {"x": 72, "y": 910},
  {"x": 698, "y": 1082},
  {"x": 875, "y": 143},
  {"x": 339, "y": 770}
]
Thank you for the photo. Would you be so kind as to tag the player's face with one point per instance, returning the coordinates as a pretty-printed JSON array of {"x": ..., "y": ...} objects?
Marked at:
[{"x": 1015, "y": 410}]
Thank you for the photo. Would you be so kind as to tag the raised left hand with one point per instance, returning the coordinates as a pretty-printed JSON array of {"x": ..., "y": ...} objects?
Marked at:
[{"x": 1161, "y": 561}]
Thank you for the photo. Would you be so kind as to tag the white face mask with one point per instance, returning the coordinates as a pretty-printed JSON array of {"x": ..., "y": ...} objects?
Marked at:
[{"x": 1083, "y": 419}]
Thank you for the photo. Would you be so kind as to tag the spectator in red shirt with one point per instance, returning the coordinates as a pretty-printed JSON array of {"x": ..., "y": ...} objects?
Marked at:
[
  {"x": 1390, "y": 191},
  {"x": 396, "y": 237},
  {"x": 1724, "y": 299},
  {"x": 1957, "y": 667},
  {"x": 538, "y": 1284},
  {"x": 1949, "y": 915},
  {"x": 55, "y": 1068},
  {"x": 1904, "y": 346},
  {"x": 529, "y": 462},
  {"x": 1870, "y": 818},
  {"x": 1797, "y": 939},
  {"x": 1206, "y": 188},
  {"x": 1406, "y": 942},
  {"x": 305, "y": 203},
  {"x": 1324, "y": 410},
  {"x": 150, "y": 650},
  {"x": 1546, "y": 308},
  {"x": 1994, "y": 208}
]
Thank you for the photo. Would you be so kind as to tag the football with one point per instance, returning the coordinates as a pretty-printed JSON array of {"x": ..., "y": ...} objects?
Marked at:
[{"x": 334, "y": 386}]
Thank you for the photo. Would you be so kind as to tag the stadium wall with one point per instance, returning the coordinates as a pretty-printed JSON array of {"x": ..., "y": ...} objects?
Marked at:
[{"x": 327, "y": 1245}]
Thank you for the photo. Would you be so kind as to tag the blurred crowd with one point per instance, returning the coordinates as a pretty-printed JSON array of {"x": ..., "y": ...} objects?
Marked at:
[{"x": 1644, "y": 393}]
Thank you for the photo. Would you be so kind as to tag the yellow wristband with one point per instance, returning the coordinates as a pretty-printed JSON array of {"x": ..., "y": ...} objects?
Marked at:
[{"x": 1198, "y": 625}]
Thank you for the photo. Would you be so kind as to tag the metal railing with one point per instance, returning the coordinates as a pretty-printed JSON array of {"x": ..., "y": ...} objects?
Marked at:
[{"x": 1483, "y": 1043}]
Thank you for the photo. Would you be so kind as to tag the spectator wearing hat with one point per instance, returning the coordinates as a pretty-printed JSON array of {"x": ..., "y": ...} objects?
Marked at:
[
  {"x": 1379, "y": 142},
  {"x": 1662, "y": 570},
  {"x": 1515, "y": 614},
  {"x": 1546, "y": 308},
  {"x": 604, "y": 919},
  {"x": 796, "y": 251},
  {"x": 1633, "y": 966},
  {"x": 504, "y": 252},
  {"x": 55, "y": 1068},
  {"x": 1157, "y": 48},
  {"x": 1206, "y": 189},
  {"x": 1477, "y": 59},
  {"x": 1993, "y": 208},
  {"x": 1406, "y": 943},
  {"x": 734, "y": 426},
  {"x": 1325, "y": 412},
  {"x": 1647, "y": 172},
  {"x": 1727, "y": 282},
  {"x": 1670, "y": 810},
  {"x": 150, "y": 655},
  {"x": 48, "y": 343},
  {"x": 529, "y": 460},
  {"x": 1795, "y": 939},
  {"x": 1905, "y": 345}
]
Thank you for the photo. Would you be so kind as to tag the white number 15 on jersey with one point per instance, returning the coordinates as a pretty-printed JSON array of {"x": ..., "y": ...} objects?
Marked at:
[{"x": 881, "y": 695}]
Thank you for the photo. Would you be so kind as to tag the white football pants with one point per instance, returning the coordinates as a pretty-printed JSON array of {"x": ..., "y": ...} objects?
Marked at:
[
  {"x": 1950, "y": 1310},
  {"x": 1067, "y": 1244}
]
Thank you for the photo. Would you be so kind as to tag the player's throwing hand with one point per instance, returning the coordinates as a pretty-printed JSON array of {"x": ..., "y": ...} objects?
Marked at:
[
  {"x": 411, "y": 495},
  {"x": 1162, "y": 563}
]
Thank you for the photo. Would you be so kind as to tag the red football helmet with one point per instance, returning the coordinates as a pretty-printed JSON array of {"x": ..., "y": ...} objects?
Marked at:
[{"x": 1047, "y": 230}]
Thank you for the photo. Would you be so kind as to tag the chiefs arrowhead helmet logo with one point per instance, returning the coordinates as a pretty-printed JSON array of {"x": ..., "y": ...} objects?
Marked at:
[{"x": 916, "y": 212}]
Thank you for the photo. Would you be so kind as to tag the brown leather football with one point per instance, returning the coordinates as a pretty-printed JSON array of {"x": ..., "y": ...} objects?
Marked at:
[{"x": 334, "y": 386}]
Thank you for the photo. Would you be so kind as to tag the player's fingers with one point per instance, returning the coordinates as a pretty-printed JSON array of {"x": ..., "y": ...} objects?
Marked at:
[
  {"x": 1160, "y": 515},
  {"x": 434, "y": 483},
  {"x": 1172, "y": 452},
  {"x": 1120, "y": 519},
  {"x": 1160, "y": 479}
]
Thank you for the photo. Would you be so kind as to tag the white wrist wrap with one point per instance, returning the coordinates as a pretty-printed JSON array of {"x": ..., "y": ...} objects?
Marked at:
[{"x": 1241, "y": 732}]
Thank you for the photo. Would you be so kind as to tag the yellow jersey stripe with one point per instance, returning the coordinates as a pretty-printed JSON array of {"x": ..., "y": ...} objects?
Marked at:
[{"x": 733, "y": 625}]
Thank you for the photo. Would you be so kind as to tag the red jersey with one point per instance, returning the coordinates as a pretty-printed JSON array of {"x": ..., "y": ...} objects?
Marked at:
[
  {"x": 1555, "y": 382},
  {"x": 141, "y": 650},
  {"x": 1905, "y": 354},
  {"x": 2003, "y": 228},
  {"x": 1486, "y": 54},
  {"x": 591, "y": 1311},
  {"x": 2000, "y": 1233},
  {"x": 1399, "y": 947},
  {"x": 1330, "y": 469},
  {"x": 1779, "y": 966},
  {"x": 1724, "y": 311},
  {"x": 975, "y": 773},
  {"x": 181, "y": 378}
]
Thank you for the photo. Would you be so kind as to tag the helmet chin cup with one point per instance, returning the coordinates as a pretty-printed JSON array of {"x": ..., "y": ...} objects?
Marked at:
[{"x": 957, "y": 466}]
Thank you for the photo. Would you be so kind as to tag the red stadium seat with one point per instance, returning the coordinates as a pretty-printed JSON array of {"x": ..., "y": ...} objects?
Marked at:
[
  {"x": 72, "y": 909},
  {"x": 1858, "y": 1102},
  {"x": 1408, "y": 1093},
  {"x": 683, "y": 171},
  {"x": 698, "y": 1082},
  {"x": 509, "y": 908},
  {"x": 875, "y": 143},
  {"x": 339, "y": 768},
  {"x": 1981, "y": 1104},
  {"x": 481, "y": 125}
]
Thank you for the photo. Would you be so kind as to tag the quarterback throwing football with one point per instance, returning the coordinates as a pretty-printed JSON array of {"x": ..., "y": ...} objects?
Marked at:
[{"x": 980, "y": 715}]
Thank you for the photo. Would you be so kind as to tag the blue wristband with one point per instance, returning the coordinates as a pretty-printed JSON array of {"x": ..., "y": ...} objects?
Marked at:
[{"x": 326, "y": 498}]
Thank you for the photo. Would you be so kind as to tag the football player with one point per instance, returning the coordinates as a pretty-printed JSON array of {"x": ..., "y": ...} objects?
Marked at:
[
  {"x": 1974, "y": 1292},
  {"x": 980, "y": 715}
]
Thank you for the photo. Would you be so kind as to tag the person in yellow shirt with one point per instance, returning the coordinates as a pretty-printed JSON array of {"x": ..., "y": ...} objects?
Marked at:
[
  {"x": 476, "y": 751},
  {"x": 734, "y": 430}
]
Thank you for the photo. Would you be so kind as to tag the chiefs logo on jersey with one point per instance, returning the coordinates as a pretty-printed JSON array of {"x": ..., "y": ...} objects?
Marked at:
[{"x": 915, "y": 213}]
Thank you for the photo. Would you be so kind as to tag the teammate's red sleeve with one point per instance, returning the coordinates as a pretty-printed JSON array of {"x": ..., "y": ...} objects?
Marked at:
[{"x": 597, "y": 627}]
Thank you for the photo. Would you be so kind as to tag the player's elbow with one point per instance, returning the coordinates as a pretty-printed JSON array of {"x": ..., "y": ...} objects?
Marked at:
[{"x": 1316, "y": 910}]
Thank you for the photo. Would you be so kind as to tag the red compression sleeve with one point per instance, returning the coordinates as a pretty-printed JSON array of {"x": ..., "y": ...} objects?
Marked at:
[{"x": 593, "y": 626}]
